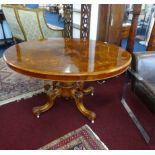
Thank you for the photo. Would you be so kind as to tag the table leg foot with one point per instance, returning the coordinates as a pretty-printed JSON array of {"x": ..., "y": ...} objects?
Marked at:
[
  {"x": 51, "y": 97},
  {"x": 38, "y": 116},
  {"x": 78, "y": 96},
  {"x": 92, "y": 121},
  {"x": 89, "y": 90},
  {"x": 40, "y": 109},
  {"x": 68, "y": 90}
]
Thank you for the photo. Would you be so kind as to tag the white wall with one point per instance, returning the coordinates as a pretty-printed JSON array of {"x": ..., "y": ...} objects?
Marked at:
[
  {"x": 76, "y": 33},
  {"x": 76, "y": 20},
  {"x": 93, "y": 21},
  {"x": 77, "y": 6}
]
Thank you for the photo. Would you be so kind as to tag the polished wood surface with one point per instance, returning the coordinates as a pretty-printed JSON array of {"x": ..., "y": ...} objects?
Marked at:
[
  {"x": 69, "y": 62},
  {"x": 115, "y": 25},
  {"x": 110, "y": 23},
  {"x": 67, "y": 59},
  {"x": 103, "y": 22},
  {"x": 125, "y": 31}
]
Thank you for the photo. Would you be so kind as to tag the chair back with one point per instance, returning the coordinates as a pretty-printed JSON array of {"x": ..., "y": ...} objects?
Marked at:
[
  {"x": 30, "y": 22},
  {"x": 144, "y": 65},
  {"x": 49, "y": 31},
  {"x": 13, "y": 21}
]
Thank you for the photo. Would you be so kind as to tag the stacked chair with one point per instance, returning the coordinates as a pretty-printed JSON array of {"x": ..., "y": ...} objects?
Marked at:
[{"x": 29, "y": 24}]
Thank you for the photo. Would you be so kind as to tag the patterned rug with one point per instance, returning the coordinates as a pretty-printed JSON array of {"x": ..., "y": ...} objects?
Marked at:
[
  {"x": 81, "y": 139},
  {"x": 14, "y": 86}
]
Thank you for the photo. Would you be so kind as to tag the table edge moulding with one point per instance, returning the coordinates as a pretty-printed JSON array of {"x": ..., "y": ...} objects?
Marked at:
[{"x": 69, "y": 63}]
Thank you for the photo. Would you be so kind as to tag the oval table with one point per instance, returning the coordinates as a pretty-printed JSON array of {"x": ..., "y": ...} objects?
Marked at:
[{"x": 69, "y": 63}]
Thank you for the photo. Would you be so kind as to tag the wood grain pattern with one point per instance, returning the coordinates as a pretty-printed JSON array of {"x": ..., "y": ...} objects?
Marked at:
[
  {"x": 115, "y": 25},
  {"x": 110, "y": 22},
  {"x": 67, "y": 59},
  {"x": 69, "y": 62},
  {"x": 103, "y": 22},
  {"x": 125, "y": 31}
]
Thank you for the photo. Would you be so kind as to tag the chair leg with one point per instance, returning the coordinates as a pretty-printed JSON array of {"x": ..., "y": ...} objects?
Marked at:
[
  {"x": 5, "y": 40},
  {"x": 130, "y": 112}
]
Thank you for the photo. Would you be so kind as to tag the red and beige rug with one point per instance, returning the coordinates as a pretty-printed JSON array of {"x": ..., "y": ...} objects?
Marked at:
[
  {"x": 14, "y": 86},
  {"x": 80, "y": 139}
]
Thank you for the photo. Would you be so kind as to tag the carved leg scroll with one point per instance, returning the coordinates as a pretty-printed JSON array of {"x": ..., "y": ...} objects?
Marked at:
[
  {"x": 89, "y": 90},
  {"x": 74, "y": 90},
  {"x": 78, "y": 96},
  {"x": 51, "y": 97}
]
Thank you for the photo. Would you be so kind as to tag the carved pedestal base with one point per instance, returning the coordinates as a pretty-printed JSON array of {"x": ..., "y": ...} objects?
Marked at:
[{"x": 74, "y": 90}]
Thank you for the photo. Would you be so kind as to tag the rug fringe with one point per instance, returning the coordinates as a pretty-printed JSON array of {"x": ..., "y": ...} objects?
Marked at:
[
  {"x": 23, "y": 96},
  {"x": 68, "y": 140},
  {"x": 96, "y": 136}
]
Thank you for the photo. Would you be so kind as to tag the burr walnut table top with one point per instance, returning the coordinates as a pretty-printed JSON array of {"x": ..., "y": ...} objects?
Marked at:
[{"x": 67, "y": 59}]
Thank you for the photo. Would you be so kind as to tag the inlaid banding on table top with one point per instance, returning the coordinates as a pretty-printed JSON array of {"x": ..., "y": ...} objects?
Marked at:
[
  {"x": 69, "y": 63},
  {"x": 66, "y": 59}
]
